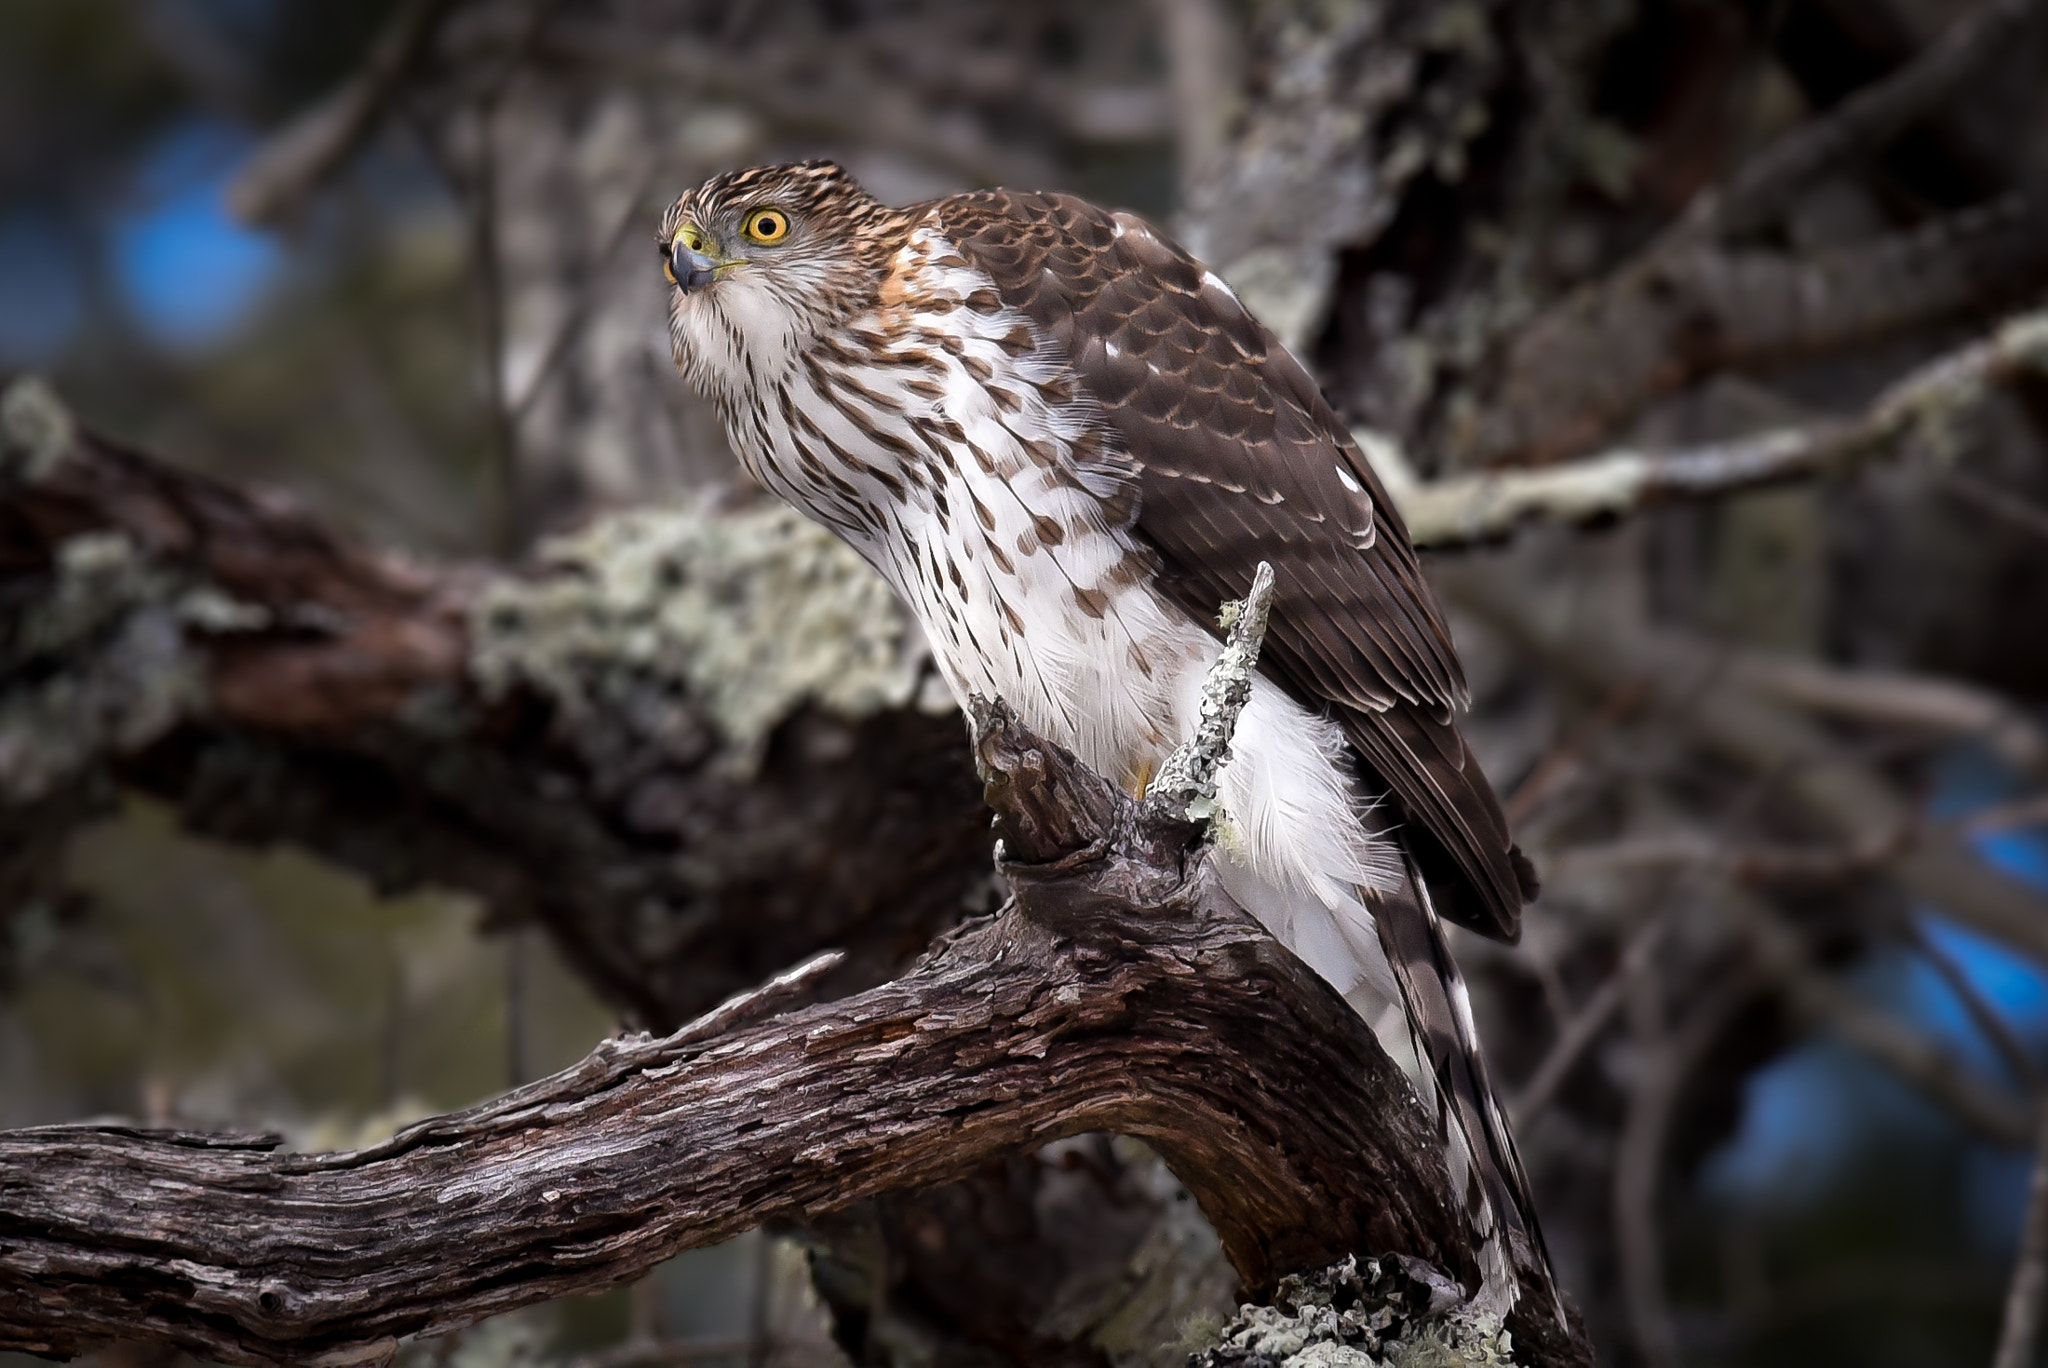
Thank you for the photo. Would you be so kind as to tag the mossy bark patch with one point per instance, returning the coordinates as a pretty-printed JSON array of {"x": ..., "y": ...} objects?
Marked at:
[{"x": 751, "y": 614}]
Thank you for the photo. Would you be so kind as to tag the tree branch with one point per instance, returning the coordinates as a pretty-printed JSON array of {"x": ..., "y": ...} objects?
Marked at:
[
  {"x": 1464, "y": 509},
  {"x": 1122, "y": 991},
  {"x": 1689, "y": 678},
  {"x": 377, "y": 710},
  {"x": 1590, "y": 361},
  {"x": 490, "y": 731},
  {"x": 275, "y": 181},
  {"x": 1859, "y": 126}
]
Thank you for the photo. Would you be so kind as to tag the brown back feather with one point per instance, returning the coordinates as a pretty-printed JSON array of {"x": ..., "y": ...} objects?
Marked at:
[{"x": 1241, "y": 459}]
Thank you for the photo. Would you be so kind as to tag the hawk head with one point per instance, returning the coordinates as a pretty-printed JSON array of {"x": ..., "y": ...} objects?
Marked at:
[{"x": 761, "y": 261}]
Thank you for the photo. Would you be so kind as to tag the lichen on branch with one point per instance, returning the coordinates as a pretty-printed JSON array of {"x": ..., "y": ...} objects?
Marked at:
[
  {"x": 1388, "y": 1312},
  {"x": 1185, "y": 787},
  {"x": 749, "y": 614}
]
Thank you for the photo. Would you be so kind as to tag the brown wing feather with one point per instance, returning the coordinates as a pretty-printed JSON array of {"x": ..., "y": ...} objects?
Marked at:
[{"x": 1241, "y": 459}]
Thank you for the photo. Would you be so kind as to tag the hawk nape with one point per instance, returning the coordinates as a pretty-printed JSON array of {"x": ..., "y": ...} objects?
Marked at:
[{"x": 1065, "y": 443}]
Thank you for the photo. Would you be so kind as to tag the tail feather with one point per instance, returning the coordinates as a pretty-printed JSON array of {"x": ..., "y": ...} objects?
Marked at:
[{"x": 1439, "y": 1010}]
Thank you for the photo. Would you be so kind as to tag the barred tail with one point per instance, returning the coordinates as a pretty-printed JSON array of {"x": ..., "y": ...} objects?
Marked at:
[
  {"x": 1385, "y": 950},
  {"x": 1483, "y": 1160}
]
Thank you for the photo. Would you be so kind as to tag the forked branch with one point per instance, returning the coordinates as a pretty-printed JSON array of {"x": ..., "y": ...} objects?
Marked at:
[{"x": 1120, "y": 990}]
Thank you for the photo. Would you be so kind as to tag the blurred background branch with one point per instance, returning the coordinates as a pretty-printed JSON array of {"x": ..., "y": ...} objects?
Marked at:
[{"x": 1706, "y": 333}]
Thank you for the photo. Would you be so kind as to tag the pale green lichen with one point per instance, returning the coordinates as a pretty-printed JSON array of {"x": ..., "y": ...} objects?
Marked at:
[
  {"x": 749, "y": 614},
  {"x": 36, "y": 431},
  {"x": 1361, "y": 1313},
  {"x": 1186, "y": 783},
  {"x": 96, "y": 665}
]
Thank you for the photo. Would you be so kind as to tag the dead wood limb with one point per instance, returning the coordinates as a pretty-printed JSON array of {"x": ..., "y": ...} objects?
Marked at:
[
  {"x": 1464, "y": 509},
  {"x": 1916, "y": 1059},
  {"x": 1583, "y": 367},
  {"x": 336, "y": 704},
  {"x": 223, "y": 651},
  {"x": 1122, "y": 991},
  {"x": 275, "y": 182},
  {"x": 1586, "y": 1024},
  {"x": 1689, "y": 677},
  {"x": 1859, "y": 126}
]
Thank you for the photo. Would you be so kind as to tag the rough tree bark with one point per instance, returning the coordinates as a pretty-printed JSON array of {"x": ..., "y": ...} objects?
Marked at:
[{"x": 1121, "y": 990}]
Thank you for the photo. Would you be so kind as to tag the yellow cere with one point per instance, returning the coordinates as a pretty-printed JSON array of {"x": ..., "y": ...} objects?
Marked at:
[{"x": 766, "y": 226}]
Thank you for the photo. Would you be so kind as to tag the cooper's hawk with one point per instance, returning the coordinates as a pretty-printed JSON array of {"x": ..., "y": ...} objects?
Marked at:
[{"x": 1065, "y": 443}]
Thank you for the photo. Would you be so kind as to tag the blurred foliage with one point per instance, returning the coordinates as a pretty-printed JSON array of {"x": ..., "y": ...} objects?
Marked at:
[
  {"x": 354, "y": 378},
  {"x": 197, "y": 983}
]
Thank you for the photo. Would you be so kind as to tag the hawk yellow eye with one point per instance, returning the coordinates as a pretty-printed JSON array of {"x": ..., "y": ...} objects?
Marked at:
[{"x": 766, "y": 226}]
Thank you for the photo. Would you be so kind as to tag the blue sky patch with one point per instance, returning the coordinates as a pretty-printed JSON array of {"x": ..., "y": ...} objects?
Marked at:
[
  {"x": 188, "y": 273},
  {"x": 42, "y": 298}
]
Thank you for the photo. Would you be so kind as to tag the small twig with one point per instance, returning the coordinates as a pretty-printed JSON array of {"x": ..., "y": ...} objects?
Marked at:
[
  {"x": 2029, "y": 1286},
  {"x": 633, "y": 215},
  {"x": 1751, "y": 863},
  {"x": 491, "y": 318},
  {"x": 1562, "y": 756},
  {"x": 1999, "y": 503},
  {"x": 1857, "y": 127},
  {"x": 1934, "y": 1071},
  {"x": 1185, "y": 788},
  {"x": 1201, "y": 57},
  {"x": 277, "y": 179},
  {"x": 483, "y": 206},
  {"x": 1895, "y": 698},
  {"x": 1477, "y": 508},
  {"x": 1587, "y": 1023},
  {"x": 2026, "y": 812},
  {"x": 1663, "y": 1066},
  {"x": 1988, "y": 1022}
]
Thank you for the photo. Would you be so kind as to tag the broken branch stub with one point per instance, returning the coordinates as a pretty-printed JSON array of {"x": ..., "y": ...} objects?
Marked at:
[{"x": 1185, "y": 788}]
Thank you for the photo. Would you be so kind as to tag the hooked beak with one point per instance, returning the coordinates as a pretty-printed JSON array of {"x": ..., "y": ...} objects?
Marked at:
[{"x": 689, "y": 268}]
